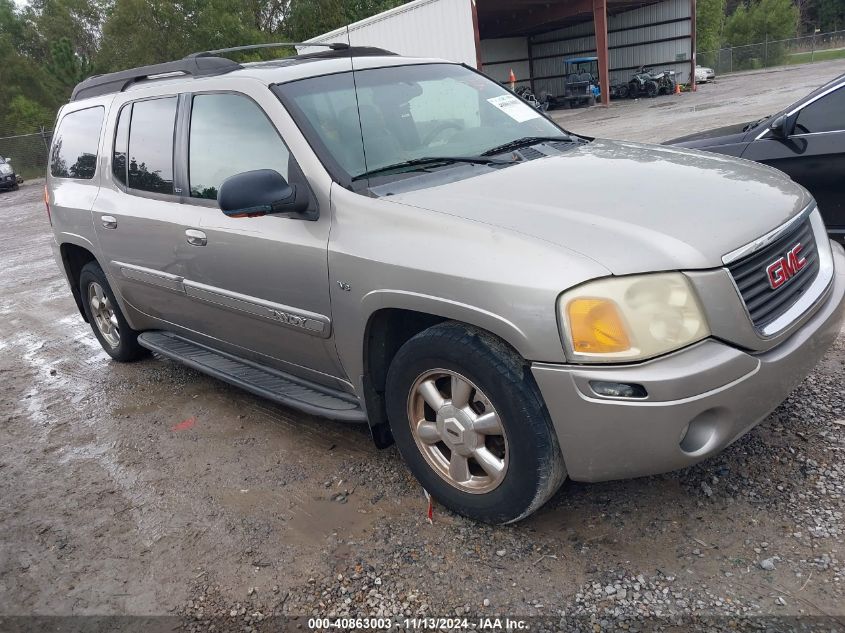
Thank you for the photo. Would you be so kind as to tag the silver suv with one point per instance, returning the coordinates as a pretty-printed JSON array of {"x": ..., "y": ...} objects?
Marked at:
[{"x": 405, "y": 243}]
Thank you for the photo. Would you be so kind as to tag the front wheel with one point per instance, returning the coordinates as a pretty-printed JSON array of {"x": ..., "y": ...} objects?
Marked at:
[{"x": 470, "y": 423}]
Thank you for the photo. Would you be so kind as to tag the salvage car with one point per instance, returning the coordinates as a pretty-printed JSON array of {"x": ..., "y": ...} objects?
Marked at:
[
  {"x": 9, "y": 180},
  {"x": 805, "y": 140},
  {"x": 703, "y": 74},
  {"x": 404, "y": 243}
]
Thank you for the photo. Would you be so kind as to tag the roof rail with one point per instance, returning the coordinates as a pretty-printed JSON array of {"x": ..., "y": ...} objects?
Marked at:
[
  {"x": 201, "y": 64},
  {"x": 118, "y": 82},
  {"x": 336, "y": 46}
]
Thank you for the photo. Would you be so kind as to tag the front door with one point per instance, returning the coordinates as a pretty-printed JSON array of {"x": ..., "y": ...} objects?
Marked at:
[
  {"x": 813, "y": 155},
  {"x": 260, "y": 284}
]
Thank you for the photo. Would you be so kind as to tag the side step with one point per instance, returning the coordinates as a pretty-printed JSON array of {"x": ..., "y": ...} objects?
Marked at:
[{"x": 262, "y": 381}]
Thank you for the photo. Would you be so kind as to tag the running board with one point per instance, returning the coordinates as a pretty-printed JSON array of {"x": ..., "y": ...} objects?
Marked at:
[{"x": 258, "y": 379}]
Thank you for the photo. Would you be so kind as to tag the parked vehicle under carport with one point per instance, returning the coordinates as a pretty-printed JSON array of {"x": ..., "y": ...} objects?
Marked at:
[{"x": 805, "y": 140}]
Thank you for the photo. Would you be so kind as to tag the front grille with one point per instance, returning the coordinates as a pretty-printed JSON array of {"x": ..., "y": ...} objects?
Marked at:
[{"x": 764, "y": 303}]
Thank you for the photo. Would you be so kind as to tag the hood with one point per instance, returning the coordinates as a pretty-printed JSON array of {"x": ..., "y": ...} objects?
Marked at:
[
  {"x": 629, "y": 207},
  {"x": 717, "y": 136}
]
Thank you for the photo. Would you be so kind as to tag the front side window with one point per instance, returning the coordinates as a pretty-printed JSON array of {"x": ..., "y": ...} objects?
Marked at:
[
  {"x": 230, "y": 135},
  {"x": 150, "y": 162},
  {"x": 823, "y": 115},
  {"x": 408, "y": 112},
  {"x": 74, "y": 152}
]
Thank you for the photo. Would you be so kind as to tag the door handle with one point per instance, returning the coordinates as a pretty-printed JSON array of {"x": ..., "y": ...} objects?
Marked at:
[
  {"x": 195, "y": 237},
  {"x": 109, "y": 222}
]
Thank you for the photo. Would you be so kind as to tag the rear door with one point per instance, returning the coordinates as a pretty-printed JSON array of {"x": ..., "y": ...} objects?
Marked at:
[
  {"x": 814, "y": 155},
  {"x": 138, "y": 219}
]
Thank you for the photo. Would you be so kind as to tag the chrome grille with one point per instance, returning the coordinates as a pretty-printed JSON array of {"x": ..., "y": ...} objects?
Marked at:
[{"x": 765, "y": 304}]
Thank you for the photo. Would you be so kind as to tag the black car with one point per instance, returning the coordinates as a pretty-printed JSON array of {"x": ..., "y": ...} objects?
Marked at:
[
  {"x": 8, "y": 177},
  {"x": 806, "y": 140}
]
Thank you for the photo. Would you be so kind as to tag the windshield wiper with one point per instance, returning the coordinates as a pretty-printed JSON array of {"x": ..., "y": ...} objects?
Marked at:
[
  {"x": 432, "y": 161},
  {"x": 754, "y": 124},
  {"x": 525, "y": 142}
]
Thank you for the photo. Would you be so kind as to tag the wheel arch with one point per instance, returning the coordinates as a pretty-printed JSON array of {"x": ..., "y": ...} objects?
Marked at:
[
  {"x": 74, "y": 258},
  {"x": 392, "y": 323}
]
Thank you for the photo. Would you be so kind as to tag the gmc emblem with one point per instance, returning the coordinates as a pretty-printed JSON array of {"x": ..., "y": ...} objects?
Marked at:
[{"x": 783, "y": 269}]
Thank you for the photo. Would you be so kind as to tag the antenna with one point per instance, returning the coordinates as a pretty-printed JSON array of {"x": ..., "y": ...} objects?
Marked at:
[{"x": 336, "y": 46}]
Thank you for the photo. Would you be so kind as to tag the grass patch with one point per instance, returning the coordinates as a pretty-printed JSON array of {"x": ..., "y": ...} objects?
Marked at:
[{"x": 819, "y": 56}]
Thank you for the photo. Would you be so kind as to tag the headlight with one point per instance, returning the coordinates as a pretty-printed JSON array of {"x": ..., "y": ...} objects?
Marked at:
[{"x": 621, "y": 319}]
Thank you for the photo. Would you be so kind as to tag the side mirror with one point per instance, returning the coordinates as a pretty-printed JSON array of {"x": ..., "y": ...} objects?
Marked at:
[
  {"x": 260, "y": 192},
  {"x": 783, "y": 126}
]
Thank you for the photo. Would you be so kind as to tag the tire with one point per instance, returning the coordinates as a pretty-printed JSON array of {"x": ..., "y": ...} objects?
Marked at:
[
  {"x": 633, "y": 90},
  {"x": 122, "y": 343},
  {"x": 651, "y": 89},
  {"x": 495, "y": 381},
  {"x": 591, "y": 101},
  {"x": 623, "y": 91}
]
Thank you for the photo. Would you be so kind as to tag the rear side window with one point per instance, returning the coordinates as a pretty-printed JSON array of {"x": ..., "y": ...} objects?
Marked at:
[
  {"x": 824, "y": 115},
  {"x": 74, "y": 153},
  {"x": 150, "y": 154},
  {"x": 230, "y": 134}
]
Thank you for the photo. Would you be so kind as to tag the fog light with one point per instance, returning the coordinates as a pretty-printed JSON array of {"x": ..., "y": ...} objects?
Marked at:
[{"x": 618, "y": 389}]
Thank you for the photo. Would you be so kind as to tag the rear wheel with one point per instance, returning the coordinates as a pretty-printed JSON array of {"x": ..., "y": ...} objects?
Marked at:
[
  {"x": 470, "y": 423},
  {"x": 107, "y": 321}
]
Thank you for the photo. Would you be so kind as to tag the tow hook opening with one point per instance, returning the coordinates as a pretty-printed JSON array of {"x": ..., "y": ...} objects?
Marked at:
[{"x": 702, "y": 433}]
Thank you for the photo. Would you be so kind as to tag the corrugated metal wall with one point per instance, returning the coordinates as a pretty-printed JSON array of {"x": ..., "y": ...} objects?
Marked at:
[
  {"x": 424, "y": 28},
  {"x": 657, "y": 35},
  {"x": 499, "y": 56}
]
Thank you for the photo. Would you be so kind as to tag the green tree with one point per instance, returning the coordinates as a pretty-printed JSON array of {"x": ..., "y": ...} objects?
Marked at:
[
  {"x": 830, "y": 15},
  {"x": 760, "y": 23},
  {"x": 709, "y": 20},
  {"x": 68, "y": 67},
  {"x": 761, "y": 20},
  {"x": 140, "y": 32}
]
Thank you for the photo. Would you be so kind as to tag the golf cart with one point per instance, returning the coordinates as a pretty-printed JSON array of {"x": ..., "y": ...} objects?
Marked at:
[{"x": 581, "y": 86}]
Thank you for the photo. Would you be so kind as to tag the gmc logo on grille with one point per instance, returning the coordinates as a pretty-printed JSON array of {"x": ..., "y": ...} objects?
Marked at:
[{"x": 783, "y": 269}]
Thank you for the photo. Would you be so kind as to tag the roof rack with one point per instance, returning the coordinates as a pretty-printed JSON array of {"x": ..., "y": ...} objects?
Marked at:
[{"x": 201, "y": 64}]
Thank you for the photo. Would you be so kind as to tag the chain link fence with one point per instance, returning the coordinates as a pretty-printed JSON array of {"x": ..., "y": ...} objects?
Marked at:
[
  {"x": 27, "y": 151},
  {"x": 798, "y": 50}
]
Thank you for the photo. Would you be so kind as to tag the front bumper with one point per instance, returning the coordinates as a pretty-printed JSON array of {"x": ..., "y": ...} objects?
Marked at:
[
  {"x": 8, "y": 181},
  {"x": 700, "y": 399}
]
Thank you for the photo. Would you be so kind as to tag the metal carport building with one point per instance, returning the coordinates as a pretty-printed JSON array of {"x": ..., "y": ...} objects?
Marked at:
[{"x": 533, "y": 37}]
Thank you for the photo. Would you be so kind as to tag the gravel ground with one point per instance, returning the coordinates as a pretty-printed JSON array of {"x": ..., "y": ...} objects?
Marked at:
[{"x": 151, "y": 490}]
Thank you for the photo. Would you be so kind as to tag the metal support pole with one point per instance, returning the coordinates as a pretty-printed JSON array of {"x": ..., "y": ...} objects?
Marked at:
[
  {"x": 600, "y": 23},
  {"x": 693, "y": 44}
]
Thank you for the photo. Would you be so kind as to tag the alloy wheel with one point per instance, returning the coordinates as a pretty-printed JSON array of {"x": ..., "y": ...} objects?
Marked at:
[
  {"x": 458, "y": 431},
  {"x": 103, "y": 313}
]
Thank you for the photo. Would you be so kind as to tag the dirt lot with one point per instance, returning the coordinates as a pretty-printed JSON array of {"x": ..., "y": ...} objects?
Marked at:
[{"x": 149, "y": 489}]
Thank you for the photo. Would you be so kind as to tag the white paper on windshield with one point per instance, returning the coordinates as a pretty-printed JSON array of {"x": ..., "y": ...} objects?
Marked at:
[{"x": 514, "y": 108}]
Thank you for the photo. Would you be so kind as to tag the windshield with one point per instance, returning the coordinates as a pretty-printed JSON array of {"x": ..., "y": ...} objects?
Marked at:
[{"x": 409, "y": 113}]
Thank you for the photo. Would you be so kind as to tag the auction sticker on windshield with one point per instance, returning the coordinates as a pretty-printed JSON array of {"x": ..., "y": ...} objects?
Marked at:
[{"x": 514, "y": 108}]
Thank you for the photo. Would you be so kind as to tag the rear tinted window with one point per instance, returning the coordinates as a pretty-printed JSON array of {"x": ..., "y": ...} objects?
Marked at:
[
  {"x": 151, "y": 145},
  {"x": 74, "y": 153},
  {"x": 825, "y": 115}
]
